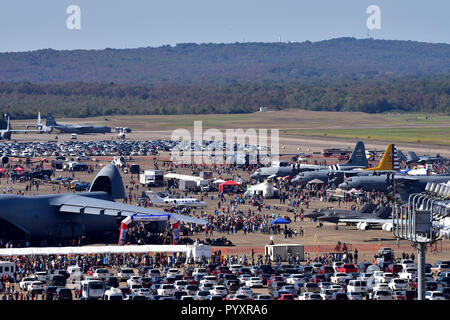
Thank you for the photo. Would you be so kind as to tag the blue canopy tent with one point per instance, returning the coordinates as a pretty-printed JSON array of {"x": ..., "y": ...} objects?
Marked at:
[{"x": 279, "y": 220}]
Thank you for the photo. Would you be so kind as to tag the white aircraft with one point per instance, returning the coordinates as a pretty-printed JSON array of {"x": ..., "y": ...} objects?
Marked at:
[{"x": 185, "y": 202}]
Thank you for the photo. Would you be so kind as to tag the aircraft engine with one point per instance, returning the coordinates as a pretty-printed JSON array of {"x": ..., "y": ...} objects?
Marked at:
[
  {"x": 387, "y": 227},
  {"x": 5, "y": 159},
  {"x": 362, "y": 226}
]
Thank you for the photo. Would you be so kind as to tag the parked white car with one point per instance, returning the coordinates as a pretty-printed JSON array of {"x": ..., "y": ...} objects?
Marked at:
[
  {"x": 36, "y": 286},
  {"x": 408, "y": 273},
  {"x": 354, "y": 295},
  {"x": 254, "y": 282},
  {"x": 134, "y": 280},
  {"x": 199, "y": 272},
  {"x": 181, "y": 285},
  {"x": 245, "y": 291},
  {"x": 209, "y": 279},
  {"x": 243, "y": 278},
  {"x": 23, "y": 284},
  {"x": 219, "y": 291},
  {"x": 101, "y": 273},
  {"x": 339, "y": 277},
  {"x": 434, "y": 295},
  {"x": 398, "y": 284},
  {"x": 125, "y": 274},
  {"x": 309, "y": 296},
  {"x": 326, "y": 294},
  {"x": 359, "y": 286},
  {"x": 295, "y": 278},
  {"x": 380, "y": 295},
  {"x": 381, "y": 286},
  {"x": 166, "y": 290}
]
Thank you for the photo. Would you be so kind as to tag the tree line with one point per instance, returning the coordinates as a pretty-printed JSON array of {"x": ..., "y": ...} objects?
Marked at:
[{"x": 23, "y": 100}]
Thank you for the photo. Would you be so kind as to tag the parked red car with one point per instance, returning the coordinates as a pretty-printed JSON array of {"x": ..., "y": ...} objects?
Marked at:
[
  {"x": 348, "y": 268},
  {"x": 286, "y": 296},
  {"x": 325, "y": 269},
  {"x": 222, "y": 269},
  {"x": 394, "y": 268},
  {"x": 274, "y": 278}
]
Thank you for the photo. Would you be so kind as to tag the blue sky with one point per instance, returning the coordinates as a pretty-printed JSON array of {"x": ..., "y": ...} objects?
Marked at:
[{"x": 31, "y": 25}]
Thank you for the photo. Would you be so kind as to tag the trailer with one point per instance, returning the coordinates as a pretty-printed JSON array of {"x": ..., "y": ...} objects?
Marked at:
[
  {"x": 152, "y": 178},
  {"x": 283, "y": 250}
]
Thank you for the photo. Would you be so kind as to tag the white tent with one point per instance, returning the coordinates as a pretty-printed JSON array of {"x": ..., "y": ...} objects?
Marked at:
[
  {"x": 266, "y": 189},
  {"x": 190, "y": 250}
]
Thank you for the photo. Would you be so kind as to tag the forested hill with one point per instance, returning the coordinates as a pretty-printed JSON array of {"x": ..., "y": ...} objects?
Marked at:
[{"x": 347, "y": 58}]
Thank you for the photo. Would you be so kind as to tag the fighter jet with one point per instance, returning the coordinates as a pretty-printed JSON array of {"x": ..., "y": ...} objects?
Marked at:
[
  {"x": 413, "y": 157},
  {"x": 331, "y": 212},
  {"x": 73, "y": 215},
  {"x": 369, "y": 211},
  {"x": 174, "y": 202},
  {"x": 75, "y": 128}
]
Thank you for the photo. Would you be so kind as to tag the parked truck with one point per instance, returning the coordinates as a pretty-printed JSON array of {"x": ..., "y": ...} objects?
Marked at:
[{"x": 152, "y": 178}]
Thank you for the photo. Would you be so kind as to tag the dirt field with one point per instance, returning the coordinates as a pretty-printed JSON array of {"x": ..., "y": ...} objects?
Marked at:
[{"x": 316, "y": 240}]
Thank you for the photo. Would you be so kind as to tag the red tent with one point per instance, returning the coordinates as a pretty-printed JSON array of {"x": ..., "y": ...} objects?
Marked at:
[
  {"x": 227, "y": 183},
  {"x": 2, "y": 170},
  {"x": 18, "y": 168}
]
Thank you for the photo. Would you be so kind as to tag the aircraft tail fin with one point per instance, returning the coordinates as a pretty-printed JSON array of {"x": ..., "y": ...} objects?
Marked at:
[
  {"x": 154, "y": 197},
  {"x": 358, "y": 157},
  {"x": 389, "y": 161},
  {"x": 413, "y": 156},
  {"x": 39, "y": 120},
  {"x": 384, "y": 212},
  {"x": 50, "y": 121},
  {"x": 7, "y": 125}
]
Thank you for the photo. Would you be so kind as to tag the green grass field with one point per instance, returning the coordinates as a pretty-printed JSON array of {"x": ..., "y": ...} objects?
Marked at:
[{"x": 433, "y": 135}]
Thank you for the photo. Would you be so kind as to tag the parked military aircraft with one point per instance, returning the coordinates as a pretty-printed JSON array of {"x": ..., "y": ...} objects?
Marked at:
[
  {"x": 41, "y": 126},
  {"x": 73, "y": 215},
  {"x": 413, "y": 157},
  {"x": 75, "y": 128},
  {"x": 5, "y": 134},
  {"x": 389, "y": 162},
  {"x": 407, "y": 184},
  {"x": 357, "y": 160},
  {"x": 369, "y": 212}
]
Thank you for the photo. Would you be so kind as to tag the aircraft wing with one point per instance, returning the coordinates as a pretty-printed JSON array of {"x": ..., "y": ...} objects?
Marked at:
[
  {"x": 366, "y": 220},
  {"x": 88, "y": 205},
  {"x": 24, "y": 131}
]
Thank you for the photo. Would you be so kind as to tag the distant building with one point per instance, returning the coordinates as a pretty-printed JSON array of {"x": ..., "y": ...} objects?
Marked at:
[{"x": 263, "y": 109}]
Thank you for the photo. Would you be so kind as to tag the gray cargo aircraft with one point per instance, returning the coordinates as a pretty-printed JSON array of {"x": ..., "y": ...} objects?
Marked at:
[
  {"x": 5, "y": 134},
  {"x": 408, "y": 184},
  {"x": 75, "y": 128},
  {"x": 357, "y": 160},
  {"x": 73, "y": 215}
]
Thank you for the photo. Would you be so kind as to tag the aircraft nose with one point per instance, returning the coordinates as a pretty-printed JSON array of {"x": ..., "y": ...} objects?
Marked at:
[{"x": 343, "y": 185}]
